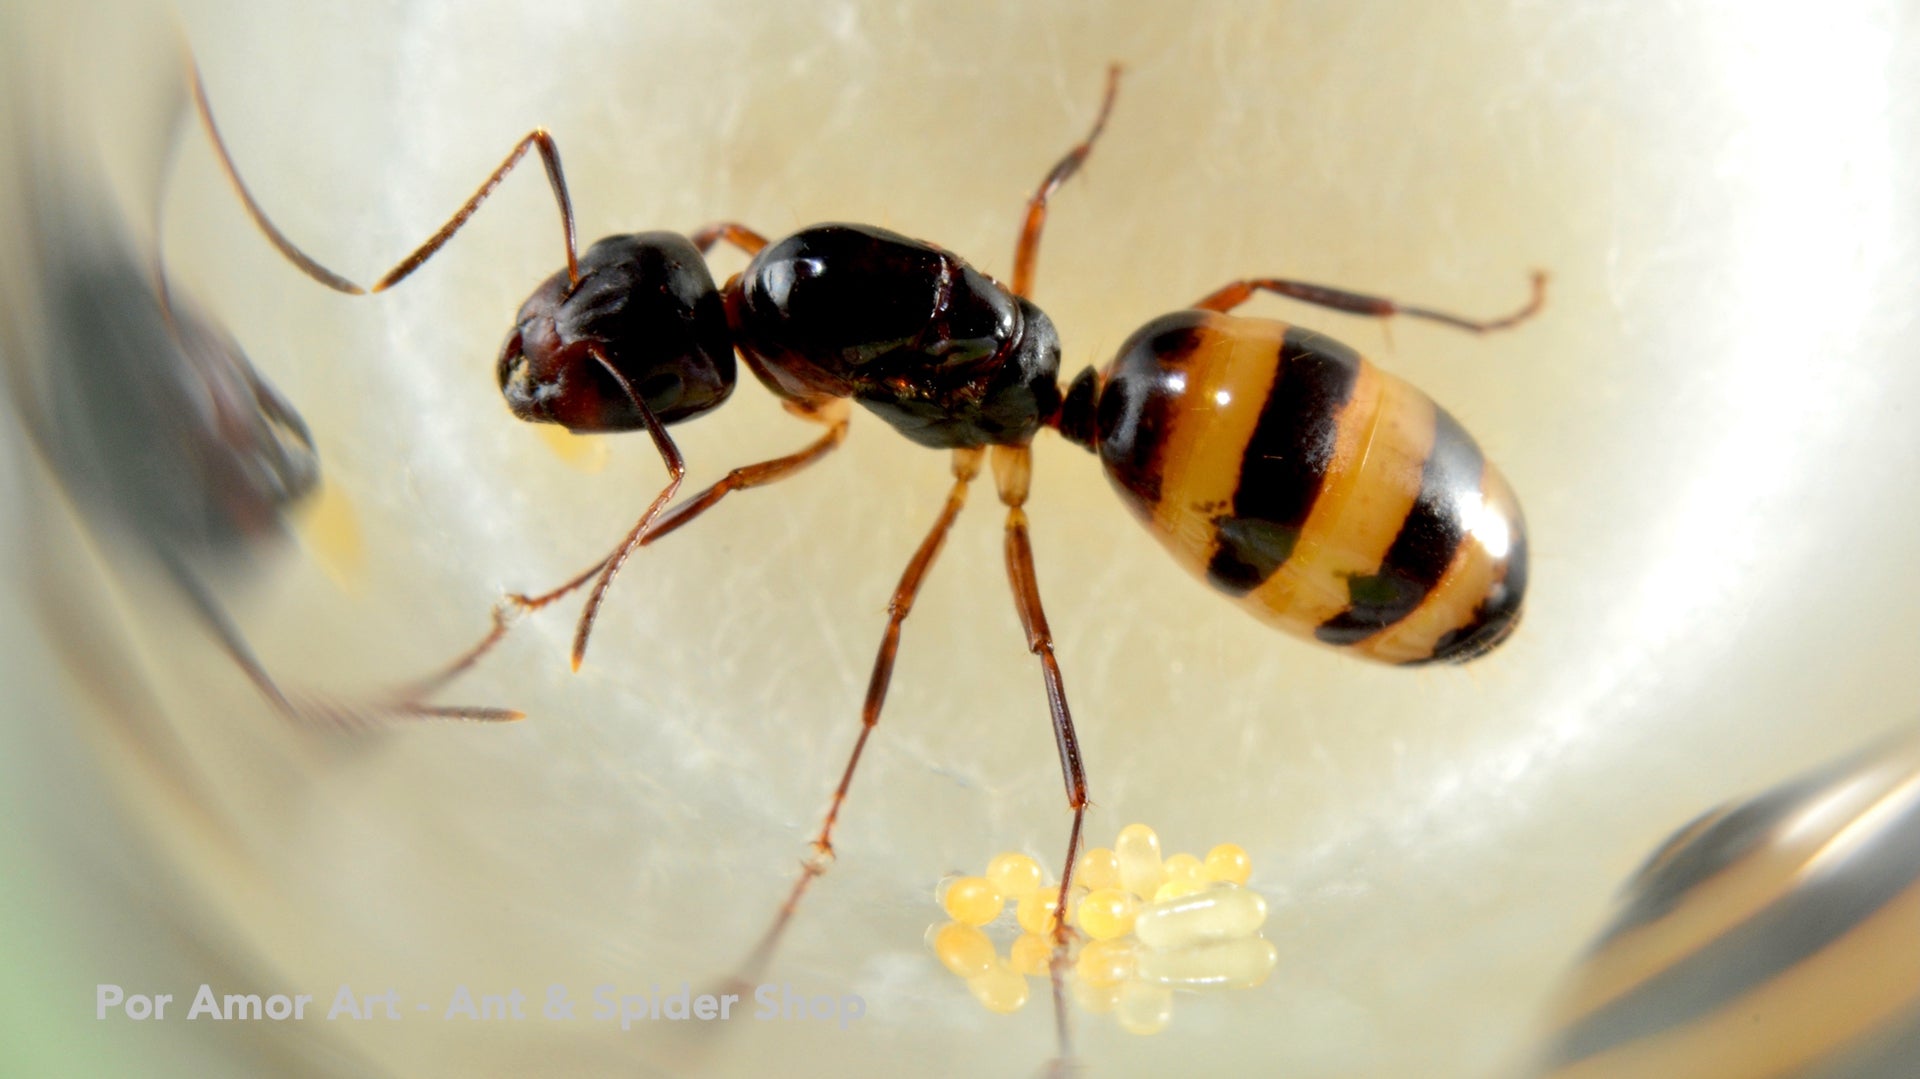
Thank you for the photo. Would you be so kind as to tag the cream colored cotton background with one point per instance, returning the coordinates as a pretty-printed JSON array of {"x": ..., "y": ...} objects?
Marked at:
[{"x": 1711, "y": 427}]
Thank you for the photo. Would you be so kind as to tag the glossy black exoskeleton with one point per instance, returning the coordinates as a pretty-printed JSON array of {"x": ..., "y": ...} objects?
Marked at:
[
  {"x": 933, "y": 346},
  {"x": 646, "y": 303},
  {"x": 928, "y": 343}
]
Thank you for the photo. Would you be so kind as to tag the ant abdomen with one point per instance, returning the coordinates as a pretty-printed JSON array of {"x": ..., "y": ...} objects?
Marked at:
[
  {"x": 644, "y": 316},
  {"x": 1331, "y": 498},
  {"x": 933, "y": 346}
]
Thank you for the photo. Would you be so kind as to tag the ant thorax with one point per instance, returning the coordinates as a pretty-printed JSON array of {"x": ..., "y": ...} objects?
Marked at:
[{"x": 928, "y": 343}]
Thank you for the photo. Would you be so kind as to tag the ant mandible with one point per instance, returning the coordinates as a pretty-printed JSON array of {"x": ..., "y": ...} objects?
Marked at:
[{"x": 1331, "y": 498}]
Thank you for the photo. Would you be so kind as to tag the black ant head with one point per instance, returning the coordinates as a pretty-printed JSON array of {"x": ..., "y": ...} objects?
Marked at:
[
  {"x": 150, "y": 410},
  {"x": 643, "y": 319}
]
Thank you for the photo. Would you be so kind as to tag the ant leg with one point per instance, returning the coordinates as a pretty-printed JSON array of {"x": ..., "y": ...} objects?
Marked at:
[
  {"x": 1239, "y": 292},
  {"x": 305, "y": 707},
  {"x": 231, "y": 642},
  {"x": 504, "y": 614},
  {"x": 601, "y": 572},
  {"x": 538, "y": 137},
  {"x": 1028, "y": 249},
  {"x": 833, "y": 413},
  {"x": 676, "y": 471},
  {"x": 652, "y": 526},
  {"x": 966, "y": 465},
  {"x": 738, "y": 235},
  {"x": 1012, "y": 473}
]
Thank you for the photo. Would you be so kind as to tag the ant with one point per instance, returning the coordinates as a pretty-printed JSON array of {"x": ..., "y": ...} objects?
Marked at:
[
  {"x": 1328, "y": 496},
  {"x": 173, "y": 447}
]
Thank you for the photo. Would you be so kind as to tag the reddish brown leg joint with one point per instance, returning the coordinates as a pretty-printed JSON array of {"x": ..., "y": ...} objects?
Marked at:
[
  {"x": 1012, "y": 472},
  {"x": 1027, "y": 251},
  {"x": 738, "y": 235},
  {"x": 831, "y": 413},
  {"x": 1233, "y": 295},
  {"x": 966, "y": 465}
]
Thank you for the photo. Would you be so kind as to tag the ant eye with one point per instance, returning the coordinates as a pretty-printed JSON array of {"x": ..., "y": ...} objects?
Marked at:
[{"x": 643, "y": 323}]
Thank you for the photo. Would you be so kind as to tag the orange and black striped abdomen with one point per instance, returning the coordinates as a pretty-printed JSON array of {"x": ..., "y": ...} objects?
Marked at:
[
  {"x": 1777, "y": 937},
  {"x": 1329, "y": 497}
]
